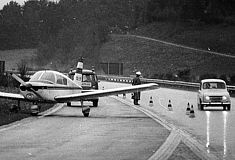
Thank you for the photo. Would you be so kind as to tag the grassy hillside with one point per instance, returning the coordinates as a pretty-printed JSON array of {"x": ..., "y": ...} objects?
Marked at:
[
  {"x": 219, "y": 38},
  {"x": 153, "y": 58}
]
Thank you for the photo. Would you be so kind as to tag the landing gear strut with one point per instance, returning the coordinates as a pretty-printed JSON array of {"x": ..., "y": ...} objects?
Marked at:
[
  {"x": 85, "y": 110},
  {"x": 34, "y": 109}
]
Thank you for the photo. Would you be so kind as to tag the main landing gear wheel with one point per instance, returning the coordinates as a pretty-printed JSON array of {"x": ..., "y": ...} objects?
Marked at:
[
  {"x": 86, "y": 111},
  {"x": 69, "y": 104},
  {"x": 34, "y": 109},
  {"x": 95, "y": 103}
]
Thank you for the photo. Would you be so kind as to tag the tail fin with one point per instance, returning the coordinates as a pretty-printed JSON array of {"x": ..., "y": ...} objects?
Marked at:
[{"x": 78, "y": 74}]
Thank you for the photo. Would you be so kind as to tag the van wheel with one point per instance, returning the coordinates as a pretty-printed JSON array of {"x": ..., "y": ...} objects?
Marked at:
[
  {"x": 95, "y": 103},
  {"x": 228, "y": 107},
  {"x": 224, "y": 108},
  {"x": 202, "y": 107},
  {"x": 199, "y": 106},
  {"x": 69, "y": 104}
]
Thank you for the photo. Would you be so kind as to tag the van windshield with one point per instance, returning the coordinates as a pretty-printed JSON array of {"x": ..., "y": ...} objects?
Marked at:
[{"x": 88, "y": 77}]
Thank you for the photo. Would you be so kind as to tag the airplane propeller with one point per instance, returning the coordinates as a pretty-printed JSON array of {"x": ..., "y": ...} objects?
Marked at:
[{"x": 28, "y": 86}]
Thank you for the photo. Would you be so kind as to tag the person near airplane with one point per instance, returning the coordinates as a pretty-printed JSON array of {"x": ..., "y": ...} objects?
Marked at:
[{"x": 136, "y": 81}]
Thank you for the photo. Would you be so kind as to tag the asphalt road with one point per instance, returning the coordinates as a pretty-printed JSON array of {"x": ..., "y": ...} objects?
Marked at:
[
  {"x": 117, "y": 131},
  {"x": 113, "y": 131},
  {"x": 214, "y": 128}
]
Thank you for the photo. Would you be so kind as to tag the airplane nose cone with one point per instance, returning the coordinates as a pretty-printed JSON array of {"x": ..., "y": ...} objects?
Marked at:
[{"x": 30, "y": 96}]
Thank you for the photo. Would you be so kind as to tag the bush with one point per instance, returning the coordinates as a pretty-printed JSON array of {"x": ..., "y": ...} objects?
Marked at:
[
  {"x": 232, "y": 80},
  {"x": 184, "y": 75},
  {"x": 208, "y": 76}
]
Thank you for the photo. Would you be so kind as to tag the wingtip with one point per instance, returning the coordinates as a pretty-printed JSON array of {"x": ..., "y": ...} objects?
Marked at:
[{"x": 155, "y": 85}]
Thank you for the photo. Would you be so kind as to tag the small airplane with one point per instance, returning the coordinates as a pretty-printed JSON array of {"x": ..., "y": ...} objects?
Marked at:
[{"x": 53, "y": 86}]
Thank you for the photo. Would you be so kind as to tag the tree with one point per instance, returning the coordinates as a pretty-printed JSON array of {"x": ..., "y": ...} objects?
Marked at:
[
  {"x": 31, "y": 17},
  {"x": 11, "y": 27},
  {"x": 23, "y": 69}
]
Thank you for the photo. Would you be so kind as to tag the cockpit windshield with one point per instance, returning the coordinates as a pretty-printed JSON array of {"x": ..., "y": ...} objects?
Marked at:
[
  {"x": 43, "y": 76},
  {"x": 48, "y": 76},
  {"x": 52, "y": 77}
]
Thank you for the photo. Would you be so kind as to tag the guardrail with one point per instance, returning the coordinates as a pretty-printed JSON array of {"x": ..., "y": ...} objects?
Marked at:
[{"x": 162, "y": 83}]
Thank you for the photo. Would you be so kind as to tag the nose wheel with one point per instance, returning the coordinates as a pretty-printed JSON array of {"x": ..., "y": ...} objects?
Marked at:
[{"x": 85, "y": 110}]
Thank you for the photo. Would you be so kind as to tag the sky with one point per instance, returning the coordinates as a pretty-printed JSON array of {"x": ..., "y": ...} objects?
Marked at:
[
  {"x": 21, "y": 2},
  {"x": 4, "y": 2}
]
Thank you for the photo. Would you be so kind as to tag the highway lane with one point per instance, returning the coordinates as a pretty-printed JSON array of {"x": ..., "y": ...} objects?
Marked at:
[
  {"x": 213, "y": 128},
  {"x": 113, "y": 131}
]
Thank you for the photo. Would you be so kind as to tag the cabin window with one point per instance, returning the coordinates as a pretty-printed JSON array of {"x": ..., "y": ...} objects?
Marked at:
[{"x": 61, "y": 80}]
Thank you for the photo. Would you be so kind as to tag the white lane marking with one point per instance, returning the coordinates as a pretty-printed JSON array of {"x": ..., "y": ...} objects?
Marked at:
[
  {"x": 192, "y": 143},
  {"x": 9, "y": 127},
  {"x": 168, "y": 147},
  {"x": 159, "y": 101},
  {"x": 148, "y": 113},
  {"x": 15, "y": 124},
  {"x": 54, "y": 109}
]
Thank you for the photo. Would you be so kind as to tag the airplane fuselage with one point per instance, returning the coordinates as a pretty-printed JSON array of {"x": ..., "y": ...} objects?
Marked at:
[{"x": 47, "y": 85}]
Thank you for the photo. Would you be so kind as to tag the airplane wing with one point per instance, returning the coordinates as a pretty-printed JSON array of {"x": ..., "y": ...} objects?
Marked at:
[
  {"x": 11, "y": 96},
  {"x": 107, "y": 92}
]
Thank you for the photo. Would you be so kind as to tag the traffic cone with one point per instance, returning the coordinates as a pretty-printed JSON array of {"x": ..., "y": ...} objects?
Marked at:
[
  {"x": 151, "y": 102},
  {"x": 191, "y": 115},
  {"x": 170, "y": 106},
  {"x": 188, "y": 109},
  {"x": 124, "y": 95}
]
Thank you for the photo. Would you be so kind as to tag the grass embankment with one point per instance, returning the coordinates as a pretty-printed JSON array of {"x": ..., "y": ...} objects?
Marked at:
[
  {"x": 152, "y": 57},
  {"x": 7, "y": 116}
]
